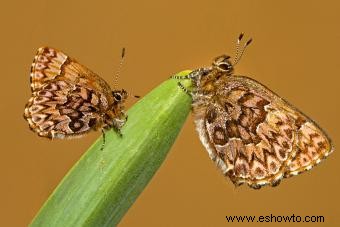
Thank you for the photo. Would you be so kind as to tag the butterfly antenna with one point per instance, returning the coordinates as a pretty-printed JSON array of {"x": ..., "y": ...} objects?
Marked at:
[
  {"x": 239, "y": 55},
  {"x": 115, "y": 80},
  {"x": 120, "y": 69},
  {"x": 238, "y": 46}
]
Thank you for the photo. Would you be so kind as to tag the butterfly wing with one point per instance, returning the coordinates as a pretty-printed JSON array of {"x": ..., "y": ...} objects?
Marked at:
[
  {"x": 51, "y": 64},
  {"x": 254, "y": 136},
  {"x": 67, "y": 98},
  {"x": 60, "y": 109},
  {"x": 47, "y": 65}
]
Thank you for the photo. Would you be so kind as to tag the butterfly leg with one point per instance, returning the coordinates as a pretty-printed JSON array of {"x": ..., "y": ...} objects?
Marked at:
[
  {"x": 196, "y": 73},
  {"x": 117, "y": 130},
  {"x": 125, "y": 116},
  {"x": 118, "y": 124},
  {"x": 186, "y": 90},
  {"x": 103, "y": 144},
  {"x": 193, "y": 74}
]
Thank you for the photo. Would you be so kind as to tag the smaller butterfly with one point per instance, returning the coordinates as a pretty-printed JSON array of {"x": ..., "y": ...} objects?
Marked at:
[
  {"x": 253, "y": 135},
  {"x": 69, "y": 100}
]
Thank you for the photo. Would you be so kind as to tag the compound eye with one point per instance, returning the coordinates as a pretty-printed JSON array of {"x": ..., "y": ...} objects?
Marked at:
[
  {"x": 224, "y": 67},
  {"x": 117, "y": 96}
]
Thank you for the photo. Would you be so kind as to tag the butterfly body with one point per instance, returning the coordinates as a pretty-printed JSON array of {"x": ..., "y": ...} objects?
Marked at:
[{"x": 68, "y": 100}]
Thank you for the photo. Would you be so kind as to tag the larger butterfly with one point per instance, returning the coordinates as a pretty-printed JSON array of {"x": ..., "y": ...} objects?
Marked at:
[
  {"x": 252, "y": 134},
  {"x": 68, "y": 100}
]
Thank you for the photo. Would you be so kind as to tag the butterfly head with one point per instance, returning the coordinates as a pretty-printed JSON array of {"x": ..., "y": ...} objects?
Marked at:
[
  {"x": 119, "y": 96},
  {"x": 223, "y": 64}
]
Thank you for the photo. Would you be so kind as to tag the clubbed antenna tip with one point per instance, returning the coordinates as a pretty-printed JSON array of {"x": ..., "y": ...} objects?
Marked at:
[
  {"x": 123, "y": 52},
  {"x": 239, "y": 53},
  {"x": 249, "y": 41},
  {"x": 240, "y": 37}
]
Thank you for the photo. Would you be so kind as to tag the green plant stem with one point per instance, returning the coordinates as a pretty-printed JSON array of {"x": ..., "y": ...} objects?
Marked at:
[{"x": 103, "y": 184}]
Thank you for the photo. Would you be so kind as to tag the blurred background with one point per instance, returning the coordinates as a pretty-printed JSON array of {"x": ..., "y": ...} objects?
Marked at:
[{"x": 295, "y": 52}]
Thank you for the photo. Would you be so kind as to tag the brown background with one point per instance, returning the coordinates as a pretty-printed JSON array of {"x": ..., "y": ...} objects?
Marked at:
[{"x": 295, "y": 52}]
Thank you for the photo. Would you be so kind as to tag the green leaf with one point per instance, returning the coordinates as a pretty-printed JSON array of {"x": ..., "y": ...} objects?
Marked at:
[{"x": 103, "y": 184}]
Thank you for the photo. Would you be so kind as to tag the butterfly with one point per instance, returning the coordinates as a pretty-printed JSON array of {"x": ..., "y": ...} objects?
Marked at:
[
  {"x": 69, "y": 100},
  {"x": 252, "y": 134}
]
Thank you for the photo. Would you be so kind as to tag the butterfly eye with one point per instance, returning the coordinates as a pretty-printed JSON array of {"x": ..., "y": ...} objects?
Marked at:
[
  {"x": 117, "y": 96},
  {"x": 224, "y": 66}
]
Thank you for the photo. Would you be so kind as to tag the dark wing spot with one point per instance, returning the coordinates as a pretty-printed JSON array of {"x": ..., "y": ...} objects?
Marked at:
[
  {"x": 282, "y": 153},
  {"x": 322, "y": 145},
  {"x": 74, "y": 102},
  {"x": 87, "y": 107},
  {"x": 221, "y": 154},
  {"x": 246, "y": 117},
  {"x": 36, "y": 118},
  {"x": 245, "y": 98},
  {"x": 275, "y": 183},
  {"x": 273, "y": 166},
  {"x": 279, "y": 123},
  {"x": 92, "y": 108},
  {"x": 259, "y": 172},
  {"x": 228, "y": 107},
  {"x": 92, "y": 122},
  {"x": 256, "y": 139},
  {"x": 244, "y": 134},
  {"x": 265, "y": 150},
  {"x": 77, "y": 90},
  {"x": 289, "y": 133},
  {"x": 241, "y": 169},
  {"x": 211, "y": 115},
  {"x": 262, "y": 103},
  {"x": 232, "y": 129},
  {"x": 219, "y": 136},
  {"x": 299, "y": 122},
  {"x": 75, "y": 126},
  {"x": 255, "y": 186},
  {"x": 51, "y": 86},
  {"x": 285, "y": 144},
  {"x": 38, "y": 99}
]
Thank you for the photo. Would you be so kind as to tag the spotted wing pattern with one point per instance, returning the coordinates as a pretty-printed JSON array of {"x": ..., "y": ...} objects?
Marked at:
[
  {"x": 254, "y": 136},
  {"x": 67, "y": 98}
]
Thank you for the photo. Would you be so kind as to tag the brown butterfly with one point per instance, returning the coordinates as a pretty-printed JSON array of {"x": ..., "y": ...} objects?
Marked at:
[
  {"x": 68, "y": 100},
  {"x": 252, "y": 134}
]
